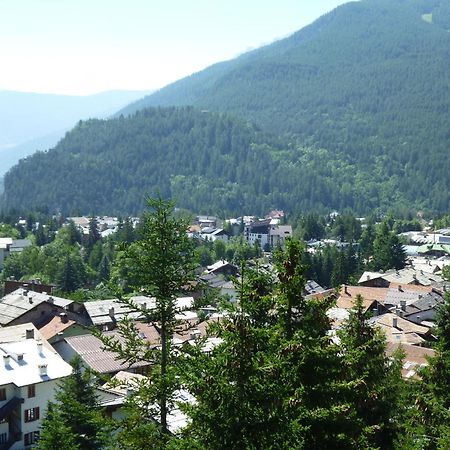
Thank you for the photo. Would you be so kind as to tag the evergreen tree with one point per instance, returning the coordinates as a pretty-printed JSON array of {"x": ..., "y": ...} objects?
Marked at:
[
  {"x": 431, "y": 415},
  {"x": 388, "y": 251},
  {"x": 70, "y": 275},
  {"x": 239, "y": 402},
  {"x": 41, "y": 238},
  {"x": 104, "y": 269},
  {"x": 312, "y": 392},
  {"x": 94, "y": 234},
  {"x": 55, "y": 433},
  {"x": 159, "y": 265},
  {"x": 74, "y": 233},
  {"x": 76, "y": 411},
  {"x": 374, "y": 383}
]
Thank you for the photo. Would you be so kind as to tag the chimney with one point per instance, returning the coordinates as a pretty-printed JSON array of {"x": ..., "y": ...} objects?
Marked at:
[
  {"x": 63, "y": 317},
  {"x": 30, "y": 299},
  {"x": 51, "y": 300},
  {"x": 403, "y": 305},
  {"x": 394, "y": 322},
  {"x": 345, "y": 289},
  {"x": 40, "y": 346},
  {"x": 42, "y": 369},
  {"x": 111, "y": 311},
  {"x": 29, "y": 333},
  {"x": 25, "y": 292},
  {"x": 400, "y": 288},
  {"x": 6, "y": 360}
]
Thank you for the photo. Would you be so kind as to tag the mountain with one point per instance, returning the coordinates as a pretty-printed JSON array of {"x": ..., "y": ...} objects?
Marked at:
[
  {"x": 30, "y": 121},
  {"x": 350, "y": 112},
  {"x": 369, "y": 81},
  {"x": 206, "y": 161}
]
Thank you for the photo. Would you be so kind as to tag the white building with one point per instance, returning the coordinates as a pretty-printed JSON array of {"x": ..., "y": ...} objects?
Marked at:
[{"x": 30, "y": 371}]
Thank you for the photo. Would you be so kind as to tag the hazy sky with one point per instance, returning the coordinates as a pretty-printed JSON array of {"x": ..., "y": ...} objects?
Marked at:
[{"x": 88, "y": 46}]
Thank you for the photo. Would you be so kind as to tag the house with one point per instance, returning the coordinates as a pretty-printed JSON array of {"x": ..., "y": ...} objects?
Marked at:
[
  {"x": 206, "y": 221},
  {"x": 278, "y": 235},
  {"x": 415, "y": 357},
  {"x": 19, "y": 245},
  {"x": 23, "y": 305},
  {"x": 222, "y": 267},
  {"x": 373, "y": 298},
  {"x": 61, "y": 327},
  {"x": 222, "y": 283},
  {"x": 114, "y": 394},
  {"x": 93, "y": 354},
  {"x": 311, "y": 287},
  {"x": 423, "y": 310},
  {"x": 405, "y": 276},
  {"x": 104, "y": 314},
  {"x": 401, "y": 331},
  {"x": 258, "y": 231},
  {"x": 31, "y": 285},
  {"x": 214, "y": 234},
  {"x": 30, "y": 373}
]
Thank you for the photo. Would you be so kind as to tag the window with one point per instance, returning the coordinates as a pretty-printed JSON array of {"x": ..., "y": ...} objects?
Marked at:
[
  {"x": 3, "y": 438},
  {"x": 2, "y": 394},
  {"x": 31, "y": 438},
  {"x": 31, "y": 390},
  {"x": 32, "y": 414}
]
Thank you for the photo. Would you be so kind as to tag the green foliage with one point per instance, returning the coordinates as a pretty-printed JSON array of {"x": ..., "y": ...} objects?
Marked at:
[
  {"x": 76, "y": 412},
  {"x": 365, "y": 86},
  {"x": 7, "y": 230},
  {"x": 158, "y": 265},
  {"x": 430, "y": 416},
  {"x": 375, "y": 385},
  {"x": 71, "y": 275},
  {"x": 388, "y": 251},
  {"x": 54, "y": 431}
]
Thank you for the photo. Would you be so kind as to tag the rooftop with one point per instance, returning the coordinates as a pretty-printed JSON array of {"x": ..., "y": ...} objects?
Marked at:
[
  {"x": 19, "y": 302},
  {"x": 28, "y": 361}
]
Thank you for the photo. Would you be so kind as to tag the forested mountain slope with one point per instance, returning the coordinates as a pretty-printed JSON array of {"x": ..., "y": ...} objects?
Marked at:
[
  {"x": 206, "y": 161},
  {"x": 360, "y": 100},
  {"x": 370, "y": 80}
]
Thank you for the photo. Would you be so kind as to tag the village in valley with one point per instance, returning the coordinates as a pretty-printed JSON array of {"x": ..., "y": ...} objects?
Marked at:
[{"x": 42, "y": 330}]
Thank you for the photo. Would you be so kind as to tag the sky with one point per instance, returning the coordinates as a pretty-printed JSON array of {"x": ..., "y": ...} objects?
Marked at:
[{"x": 81, "y": 47}]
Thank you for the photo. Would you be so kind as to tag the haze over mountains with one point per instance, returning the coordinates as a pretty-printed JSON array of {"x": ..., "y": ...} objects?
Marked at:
[
  {"x": 30, "y": 121},
  {"x": 359, "y": 101}
]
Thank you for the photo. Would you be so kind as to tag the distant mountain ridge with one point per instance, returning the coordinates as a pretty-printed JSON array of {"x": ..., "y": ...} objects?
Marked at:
[
  {"x": 357, "y": 102},
  {"x": 31, "y": 121}
]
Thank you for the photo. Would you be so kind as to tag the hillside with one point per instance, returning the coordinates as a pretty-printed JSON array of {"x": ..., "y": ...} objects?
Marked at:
[
  {"x": 359, "y": 101},
  {"x": 206, "y": 161},
  {"x": 30, "y": 121},
  {"x": 370, "y": 81}
]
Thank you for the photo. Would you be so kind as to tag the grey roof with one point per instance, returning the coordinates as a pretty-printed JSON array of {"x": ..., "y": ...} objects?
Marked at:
[
  {"x": 104, "y": 312},
  {"x": 411, "y": 276},
  {"x": 19, "y": 302},
  {"x": 91, "y": 351},
  {"x": 99, "y": 310},
  {"x": 19, "y": 244},
  {"x": 311, "y": 287},
  {"x": 424, "y": 303},
  {"x": 394, "y": 296}
]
